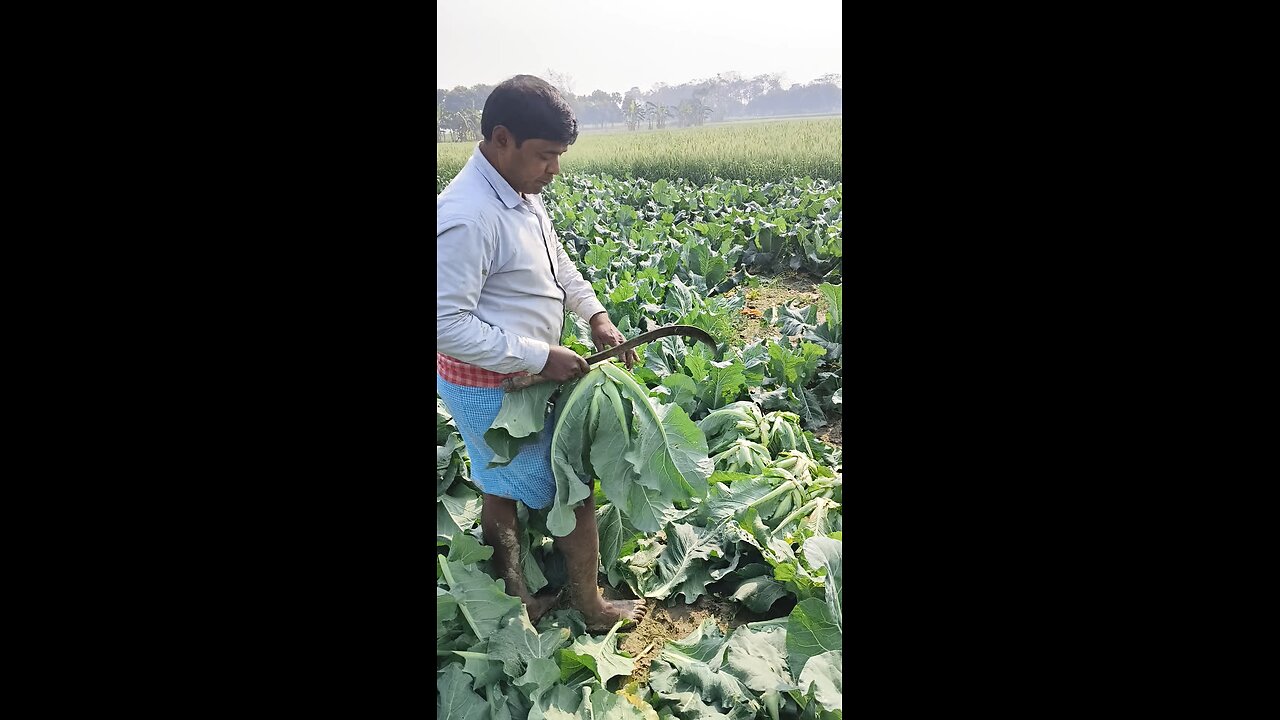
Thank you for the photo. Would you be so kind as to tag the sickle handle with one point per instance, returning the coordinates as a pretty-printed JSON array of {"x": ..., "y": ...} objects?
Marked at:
[{"x": 520, "y": 382}]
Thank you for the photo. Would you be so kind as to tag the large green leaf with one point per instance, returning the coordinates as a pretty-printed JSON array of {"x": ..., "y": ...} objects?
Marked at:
[
  {"x": 614, "y": 706},
  {"x": 613, "y": 532},
  {"x": 569, "y": 445},
  {"x": 670, "y": 453},
  {"x": 835, "y": 303},
  {"x": 588, "y": 703},
  {"x": 783, "y": 364},
  {"x": 612, "y": 438},
  {"x": 449, "y": 462},
  {"x": 480, "y": 666},
  {"x": 683, "y": 391},
  {"x": 811, "y": 631},
  {"x": 444, "y": 422},
  {"x": 696, "y": 256},
  {"x": 455, "y": 700},
  {"x": 809, "y": 408},
  {"x": 779, "y": 398},
  {"x": 675, "y": 674},
  {"x": 824, "y": 552},
  {"x": 725, "y": 382},
  {"x": 758, "y": 657},
  {"x": 558, "y": 703},
  {"x": 717, "y": 269},
  {"x": 663, "y": 356},
  {"x": 522, "y": 416},
  {"x": 446, "y": 611},
  {"x": 499, "y": 709},
  {"x": 600, "y": 656},
  {"x": 620, "y": 482},
  {"x": 755, "y": 361},
  {"x": 518, "y": 643},
  {"x": 753, "y": 530},
  {"x": 481, "y": 599},
  {"x": 823, "y": 673},
  {"x": 456, "y": 511},
  {"x": 597, "y": 257},
  {"x": 538, "y": 677},
  {"x": 683, "y": 565},
  {"x": 668, "y": 458},
  {"x": 758, "y": 593},
  {"x": 792, "y": 320},
  {"x": 464, "y": 549},
  {"x": 721, "y": 506},
  {"x": 534, "y": 579},
  {"x": 705, "y": 644},
  {"x": 698, "y": 364},
  {"x": 679, "y": 296}
]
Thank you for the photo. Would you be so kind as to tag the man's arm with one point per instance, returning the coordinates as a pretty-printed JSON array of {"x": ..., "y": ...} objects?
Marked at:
[{"x": 463, "y": 258}]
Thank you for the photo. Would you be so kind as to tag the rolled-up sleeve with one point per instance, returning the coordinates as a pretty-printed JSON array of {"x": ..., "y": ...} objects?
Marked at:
[
  {"x": 464, "y": 257},
  {"x": 579, "y": 296}
]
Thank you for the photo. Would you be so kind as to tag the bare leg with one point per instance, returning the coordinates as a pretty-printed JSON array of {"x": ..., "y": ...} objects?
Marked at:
[
  {"x": 581, "y": 550},
  {"x": 501, "y": 532}
]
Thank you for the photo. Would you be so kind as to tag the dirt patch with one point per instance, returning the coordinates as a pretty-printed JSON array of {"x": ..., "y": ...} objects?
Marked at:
[
  {"x": 832, "y": 433},
  {"x": 773, "y": 291},
  {"x": 748, "y": 324},
  {"x": 786, "y": 288},
  {"x": 663, "y": 624}
]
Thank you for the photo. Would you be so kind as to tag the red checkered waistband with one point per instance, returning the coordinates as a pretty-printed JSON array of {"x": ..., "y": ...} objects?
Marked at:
[{"x": 459, "y": 373}]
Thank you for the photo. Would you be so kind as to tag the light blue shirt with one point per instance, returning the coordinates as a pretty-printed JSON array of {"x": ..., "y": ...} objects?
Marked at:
[{"x": 503, "y": 278}]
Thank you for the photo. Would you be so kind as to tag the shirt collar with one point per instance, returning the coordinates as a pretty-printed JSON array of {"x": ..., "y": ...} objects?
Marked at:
[{"x": 506, "y": 193}]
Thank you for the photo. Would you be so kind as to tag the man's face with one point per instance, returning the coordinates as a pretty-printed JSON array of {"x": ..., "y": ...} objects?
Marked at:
[{"x": 532, "y": 166}]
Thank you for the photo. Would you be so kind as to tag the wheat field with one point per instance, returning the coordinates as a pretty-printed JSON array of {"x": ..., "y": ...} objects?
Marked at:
[{"x": 761, "y": 151}]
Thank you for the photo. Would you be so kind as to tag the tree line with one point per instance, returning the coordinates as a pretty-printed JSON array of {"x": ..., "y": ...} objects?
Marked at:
[{"x": 727, "y": 96}]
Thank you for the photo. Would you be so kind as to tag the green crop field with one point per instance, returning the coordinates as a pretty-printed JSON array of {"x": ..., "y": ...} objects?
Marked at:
[
  {"x": 717, "y": 473},
  {"x": 748, "y": 151}
]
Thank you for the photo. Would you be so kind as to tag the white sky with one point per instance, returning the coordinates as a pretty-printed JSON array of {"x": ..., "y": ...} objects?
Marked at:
[{"x": 613, "y": 45}]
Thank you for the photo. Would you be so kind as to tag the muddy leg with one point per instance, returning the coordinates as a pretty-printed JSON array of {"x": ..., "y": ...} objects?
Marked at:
[
  {"x": 502, "y": 533},
  {"x": 581, "y": 550}
]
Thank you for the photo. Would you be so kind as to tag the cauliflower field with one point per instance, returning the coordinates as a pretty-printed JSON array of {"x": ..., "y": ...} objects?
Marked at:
[{"x": 734, "y": 536}]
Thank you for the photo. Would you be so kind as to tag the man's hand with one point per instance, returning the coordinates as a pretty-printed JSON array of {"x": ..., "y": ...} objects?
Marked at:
[
  {"x": 564, "y": 364},
  {"x": 605, "y": 335}
]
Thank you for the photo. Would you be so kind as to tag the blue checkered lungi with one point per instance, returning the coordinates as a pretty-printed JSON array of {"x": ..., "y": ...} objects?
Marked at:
[{"x": 528, "y": 477}]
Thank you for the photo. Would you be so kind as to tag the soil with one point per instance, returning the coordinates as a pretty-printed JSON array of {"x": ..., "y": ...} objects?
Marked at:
[
  {"x": 663, "y": 624},
  {"x": 831, "y": 434},
  {"x": 772, "y": 292}
]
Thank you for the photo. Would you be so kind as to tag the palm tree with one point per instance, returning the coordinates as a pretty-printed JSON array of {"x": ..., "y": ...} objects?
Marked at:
[{"x": 634, "y": 112}]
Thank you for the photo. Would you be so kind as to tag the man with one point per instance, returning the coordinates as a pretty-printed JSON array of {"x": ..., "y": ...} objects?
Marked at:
[{"x": 503, "y": 283}]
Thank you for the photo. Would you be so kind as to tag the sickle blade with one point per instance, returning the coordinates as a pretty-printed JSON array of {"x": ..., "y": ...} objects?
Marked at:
[{"x": 686, "y": 330}]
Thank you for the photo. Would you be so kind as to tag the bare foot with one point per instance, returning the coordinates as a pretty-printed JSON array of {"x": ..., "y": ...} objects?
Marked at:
[
  {"x": 602, "y": 614},
  {"x": 537, "y": 607}
]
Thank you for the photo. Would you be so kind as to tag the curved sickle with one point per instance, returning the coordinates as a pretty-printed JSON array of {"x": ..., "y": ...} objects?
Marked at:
[
  {"x": 687, "y": 330},
  {"x": 521, "y": 382}
]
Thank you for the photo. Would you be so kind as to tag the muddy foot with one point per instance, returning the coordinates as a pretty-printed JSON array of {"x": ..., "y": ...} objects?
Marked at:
[
  {"x": 538, "y": 606},
  {"x": 602, "y": 615}
]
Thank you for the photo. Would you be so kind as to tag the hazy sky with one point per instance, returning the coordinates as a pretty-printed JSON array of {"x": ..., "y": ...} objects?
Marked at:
[{"x": 612, "y": 46}]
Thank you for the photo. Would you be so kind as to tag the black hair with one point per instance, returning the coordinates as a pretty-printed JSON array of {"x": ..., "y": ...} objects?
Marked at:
[{"x": 531, "y": 108}]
